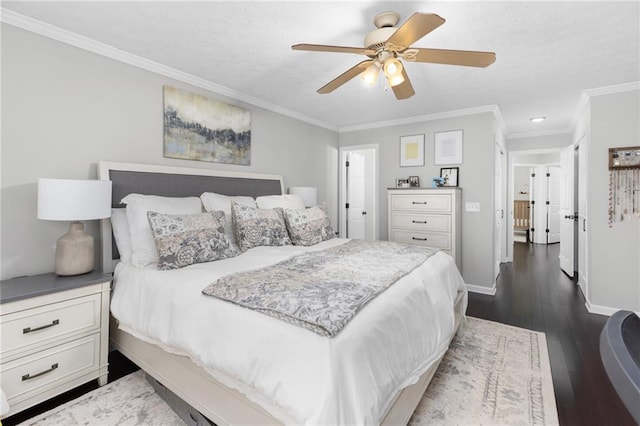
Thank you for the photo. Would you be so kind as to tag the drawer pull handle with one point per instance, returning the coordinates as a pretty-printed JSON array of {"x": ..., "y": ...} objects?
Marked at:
[
  {"x": 418, "y": 239},
  {"x": 419, "y": 221},
  {"x": 29, "y": 376},
  {"x": 29, "y": 329},
  {"x": 418, "y": 202}
]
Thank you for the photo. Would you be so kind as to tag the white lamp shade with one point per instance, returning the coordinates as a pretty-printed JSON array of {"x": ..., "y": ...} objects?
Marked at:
[
  {"x": 67, "y": 199},
  {"x": 308, "y": 194}
]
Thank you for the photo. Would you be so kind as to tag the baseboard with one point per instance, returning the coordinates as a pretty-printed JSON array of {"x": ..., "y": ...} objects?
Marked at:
[
  {"x": 599, "y": 309},
  {"x": 491, "y": 291}
]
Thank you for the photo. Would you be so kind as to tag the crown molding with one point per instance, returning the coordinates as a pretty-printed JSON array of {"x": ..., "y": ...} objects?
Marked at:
[
  {"x": 616, "y": 88},
  {"x": 421, "y": 118},
  {"x": 73, "y": 39}
]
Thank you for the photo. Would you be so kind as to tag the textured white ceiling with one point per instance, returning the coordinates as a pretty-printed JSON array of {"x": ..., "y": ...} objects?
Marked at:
[{"x": 547, "y": 52}]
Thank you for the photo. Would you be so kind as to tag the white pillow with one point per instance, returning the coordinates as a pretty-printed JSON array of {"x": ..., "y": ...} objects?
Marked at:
[
  {"x": 120, "y": 228},
  {"x": 144, "y": 248},
  {"x": 218, "y": 202},
  {"x": 286, "y": 201}
]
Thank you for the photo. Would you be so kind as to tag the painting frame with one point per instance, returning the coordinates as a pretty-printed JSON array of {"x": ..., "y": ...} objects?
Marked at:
[
  {"x": 448, "y": 147},
  {"x": 412, "y": 150},
  {"x": 414, "y": 181},
  {"x": 451, "y": 176},
  {"x": 200, "y": 128}
]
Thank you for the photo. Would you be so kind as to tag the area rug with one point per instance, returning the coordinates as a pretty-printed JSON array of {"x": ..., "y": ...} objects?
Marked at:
[{"x": 493, "y": 374}]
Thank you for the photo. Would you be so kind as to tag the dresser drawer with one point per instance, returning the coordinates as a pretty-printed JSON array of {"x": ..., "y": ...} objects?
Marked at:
[
  {"x": 421, "y": 222},
  {"x": 44, "y": 324},
  {"x": 28, "y": 376},
  {"x": 432, "y": 239},
  {"x": 440, "y": 203}
]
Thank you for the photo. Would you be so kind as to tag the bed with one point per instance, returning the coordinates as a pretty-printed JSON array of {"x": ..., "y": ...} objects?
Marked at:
[{"x": 260, "y": 370}]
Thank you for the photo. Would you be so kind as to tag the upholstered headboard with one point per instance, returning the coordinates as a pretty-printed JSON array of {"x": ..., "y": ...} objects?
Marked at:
[{"x": 128, "y": 178}]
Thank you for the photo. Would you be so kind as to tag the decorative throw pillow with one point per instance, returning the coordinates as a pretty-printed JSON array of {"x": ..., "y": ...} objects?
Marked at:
[
  {"x": 183, "y": 240},
  {"x": 213, "y": 202},
  {"x": 310, "y": 226},
  {"x": 258, "y": 227},
  {"x": 144, "y": 250}
]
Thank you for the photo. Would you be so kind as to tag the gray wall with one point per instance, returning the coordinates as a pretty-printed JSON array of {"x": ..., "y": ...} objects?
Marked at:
[
  {"x": 475, "y": 178},
  {"x": 64, "y": 109},
  {"x": 521, "y": 182},
  {"x": 614, "y": 252},
  {"x": 542, "y": 142}
]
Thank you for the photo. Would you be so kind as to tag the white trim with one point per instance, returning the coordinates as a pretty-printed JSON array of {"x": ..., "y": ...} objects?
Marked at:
[
  {"x": 55, "y": 33},
  {"x": 539, "y": 133},
  {"x": 491, "y": 291},
  {"x": 616, "y": 88},
  {"x": 599, "y": 309},
  {"x": 428, "y": 117},
  {"x": 105, "y": 166}
]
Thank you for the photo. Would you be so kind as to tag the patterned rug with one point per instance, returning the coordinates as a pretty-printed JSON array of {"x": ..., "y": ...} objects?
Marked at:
[{"x": 493, "y": 374}]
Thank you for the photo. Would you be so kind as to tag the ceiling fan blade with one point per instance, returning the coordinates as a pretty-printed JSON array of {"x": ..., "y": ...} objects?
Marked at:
[
  {"x": 417, "y": 26},
  {"x": 465, "y": 58},
  {"x": 344, "y": 77},
  {"x": 336, "y": 49},
  {"x": 404, "y": 90}
]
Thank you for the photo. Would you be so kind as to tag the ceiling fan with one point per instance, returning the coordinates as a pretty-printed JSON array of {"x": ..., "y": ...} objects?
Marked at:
[{"x": 387, "y": 44}]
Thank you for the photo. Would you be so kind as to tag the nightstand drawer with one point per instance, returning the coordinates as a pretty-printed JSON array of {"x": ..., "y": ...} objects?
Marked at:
[
  {"x": 41, "y": 325},
  {"x": 440, "y": 203},
  {"x": 27, "y": 377},
  {"x": 421, "y": 222},
  {"x": 432, "y": 239}
]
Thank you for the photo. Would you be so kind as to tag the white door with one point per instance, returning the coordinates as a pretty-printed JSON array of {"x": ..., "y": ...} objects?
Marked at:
[
  {"x": 566, "y": 210},
  {"x": 554, "y": 205},
  {"x": 498, "y": 209},
  {"x": 582, "y": 192},
  {"x": 358, "y": 193},
  {"x": 355, "y": 195}
]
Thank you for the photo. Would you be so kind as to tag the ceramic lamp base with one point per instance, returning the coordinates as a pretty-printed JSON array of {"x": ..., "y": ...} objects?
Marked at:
[{"x": 74, "y": 251}]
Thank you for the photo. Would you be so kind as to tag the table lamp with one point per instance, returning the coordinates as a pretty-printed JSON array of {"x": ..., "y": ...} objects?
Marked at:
[
  {"x": 74, "y": 200},
  {"x": 307, "y": 193}
]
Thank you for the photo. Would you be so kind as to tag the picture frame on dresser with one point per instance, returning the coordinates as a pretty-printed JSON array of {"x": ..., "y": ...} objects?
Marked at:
[{"x": 450, "y": 176}]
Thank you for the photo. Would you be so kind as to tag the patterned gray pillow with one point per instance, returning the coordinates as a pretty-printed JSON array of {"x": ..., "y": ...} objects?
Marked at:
[
  {"x": 258, "y": 227},
  {"x": 183, "y": 240},
  {"x": 310, "y": 226}
]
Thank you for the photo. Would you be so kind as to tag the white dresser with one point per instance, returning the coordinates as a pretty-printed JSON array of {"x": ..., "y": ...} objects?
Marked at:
[
  {"x": 54, "y": 335},
  {"x": 427, "y": 216}
]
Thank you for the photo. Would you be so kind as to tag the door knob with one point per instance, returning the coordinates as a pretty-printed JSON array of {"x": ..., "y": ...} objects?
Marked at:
[{"x": 364, "y": 213}]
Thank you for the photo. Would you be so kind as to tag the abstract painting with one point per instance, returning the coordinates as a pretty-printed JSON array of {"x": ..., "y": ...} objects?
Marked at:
[{"x": 204, "y": 129}]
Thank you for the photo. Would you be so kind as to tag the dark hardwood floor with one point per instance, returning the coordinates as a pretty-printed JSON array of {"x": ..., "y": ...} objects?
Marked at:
[{"x": 532, "y": 292}]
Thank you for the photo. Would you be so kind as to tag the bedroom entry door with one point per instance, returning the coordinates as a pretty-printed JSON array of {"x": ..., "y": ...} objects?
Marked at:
[
  {"x": 358, "y": 204},
  {"x": 567, "y": 213}
]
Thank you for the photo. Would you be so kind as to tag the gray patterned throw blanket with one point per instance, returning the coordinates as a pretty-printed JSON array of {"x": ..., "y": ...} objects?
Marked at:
[{"x": 322, "y": 290}]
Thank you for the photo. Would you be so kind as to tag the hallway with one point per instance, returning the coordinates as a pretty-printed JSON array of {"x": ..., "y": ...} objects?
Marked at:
[{"x": 532, "y": 292}]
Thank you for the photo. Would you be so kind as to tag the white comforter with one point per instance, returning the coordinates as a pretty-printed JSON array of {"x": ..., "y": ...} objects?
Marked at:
[{"x": 297, "y": 375}]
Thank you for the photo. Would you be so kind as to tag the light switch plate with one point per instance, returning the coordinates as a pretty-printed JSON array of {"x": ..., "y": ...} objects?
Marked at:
[{"x": 472, "y": 207}]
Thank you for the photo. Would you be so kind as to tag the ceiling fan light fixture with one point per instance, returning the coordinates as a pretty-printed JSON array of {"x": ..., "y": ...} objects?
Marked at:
[
  {"x": 395, "y": 80},
  {"x": 370, "y": 75},
  {"x": 392, "y": 68}
]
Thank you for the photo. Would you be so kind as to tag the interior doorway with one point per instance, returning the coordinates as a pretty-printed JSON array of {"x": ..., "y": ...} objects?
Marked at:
[
  {"x": 533, "y": 198},
  {"x": 358, "y": 192}
]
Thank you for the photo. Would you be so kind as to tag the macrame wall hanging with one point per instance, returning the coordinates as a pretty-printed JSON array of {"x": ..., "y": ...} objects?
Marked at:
[{"x": 624, "y": 184}]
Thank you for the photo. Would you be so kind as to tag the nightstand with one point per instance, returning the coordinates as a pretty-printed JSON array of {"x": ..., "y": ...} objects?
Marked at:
[{"x": 54, "y": 335}]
